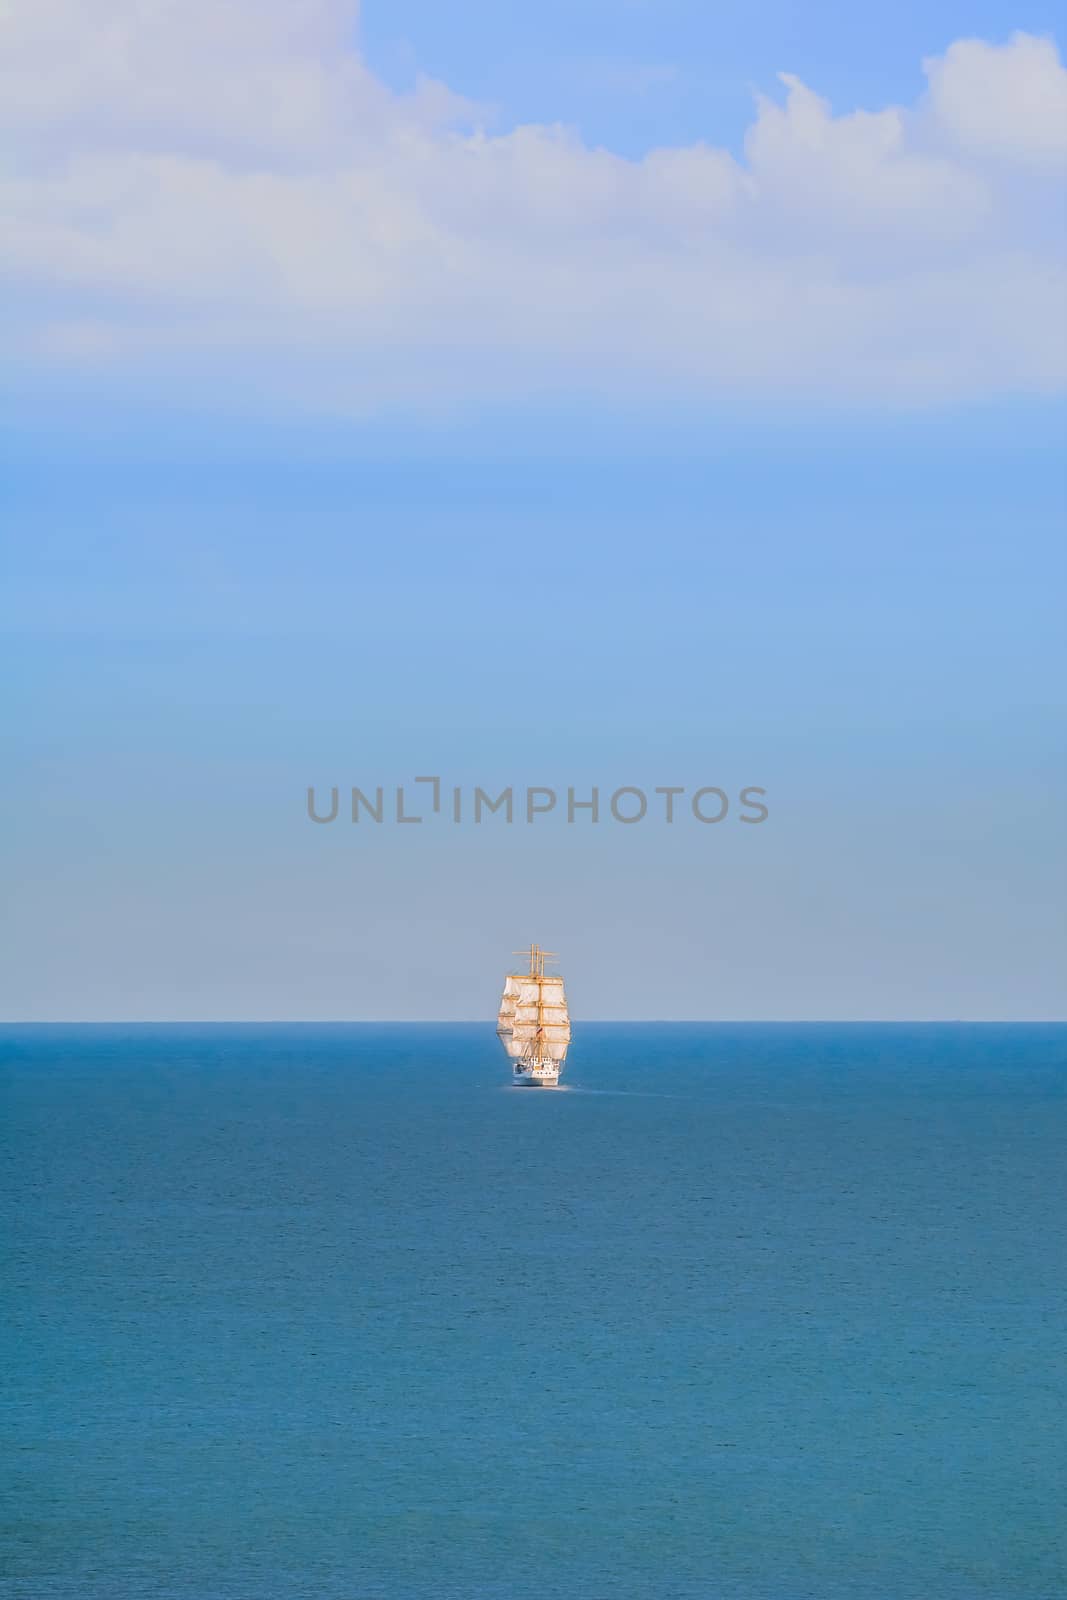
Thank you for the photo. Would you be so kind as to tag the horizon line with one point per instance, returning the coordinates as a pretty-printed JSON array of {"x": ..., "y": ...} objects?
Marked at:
[{"x": 470, "y": 1022}]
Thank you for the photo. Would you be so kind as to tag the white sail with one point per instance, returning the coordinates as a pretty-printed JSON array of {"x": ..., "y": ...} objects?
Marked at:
[
  {"x": 533, "y": 1022},
  {"x": 507, "y": 1001}
]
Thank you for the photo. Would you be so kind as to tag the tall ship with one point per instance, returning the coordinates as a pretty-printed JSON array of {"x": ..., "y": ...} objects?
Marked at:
[{"x": 533, "y": 1024}]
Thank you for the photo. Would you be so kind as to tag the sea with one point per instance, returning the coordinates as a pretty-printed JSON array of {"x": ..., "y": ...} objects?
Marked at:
[{"x": 333, "y": 1312}]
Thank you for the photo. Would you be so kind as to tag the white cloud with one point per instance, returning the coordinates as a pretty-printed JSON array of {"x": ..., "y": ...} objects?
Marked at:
[
  {"x": 226, "y": 191},
  {"x": 1007, "y": 102}
]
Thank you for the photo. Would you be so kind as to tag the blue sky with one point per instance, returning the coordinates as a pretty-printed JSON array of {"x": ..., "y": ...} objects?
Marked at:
[
  {"x": 343, "y": 445},
  {"x": 634, "y": 75}
]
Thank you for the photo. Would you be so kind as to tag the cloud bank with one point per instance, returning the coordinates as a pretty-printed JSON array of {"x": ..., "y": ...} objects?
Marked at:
[{"x": 225, "y": 193}]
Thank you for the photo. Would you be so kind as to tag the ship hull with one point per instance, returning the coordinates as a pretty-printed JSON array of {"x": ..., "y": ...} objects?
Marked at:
[{"x": 536, "y": 1079}]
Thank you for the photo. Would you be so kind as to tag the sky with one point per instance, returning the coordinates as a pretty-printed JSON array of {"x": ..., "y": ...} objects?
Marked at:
[{"x": 599, "y": 395}]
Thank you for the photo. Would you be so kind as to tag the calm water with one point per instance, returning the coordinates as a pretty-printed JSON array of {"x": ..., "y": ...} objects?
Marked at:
[{"x": 743, "y": 1313}]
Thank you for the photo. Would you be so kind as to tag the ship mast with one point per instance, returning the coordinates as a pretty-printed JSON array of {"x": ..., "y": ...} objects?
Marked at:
[
  {"x": 540, "y": 1004},
  {"x": 538, "y": 957}
]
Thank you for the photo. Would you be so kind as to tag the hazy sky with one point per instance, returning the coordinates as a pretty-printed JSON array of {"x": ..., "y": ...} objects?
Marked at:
[{"x": 360, "y": 426}]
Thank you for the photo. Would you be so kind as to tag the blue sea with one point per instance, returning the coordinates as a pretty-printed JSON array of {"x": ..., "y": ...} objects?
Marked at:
[{"x": 740, "y": 1313}]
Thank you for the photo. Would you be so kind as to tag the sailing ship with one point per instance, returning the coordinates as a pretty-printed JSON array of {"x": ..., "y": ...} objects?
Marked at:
[{"x": 533, "y": 1024}]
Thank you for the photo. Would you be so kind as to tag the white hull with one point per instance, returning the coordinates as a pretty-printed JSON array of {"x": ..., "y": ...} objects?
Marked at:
[{"x": 537, "y": 1077}]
